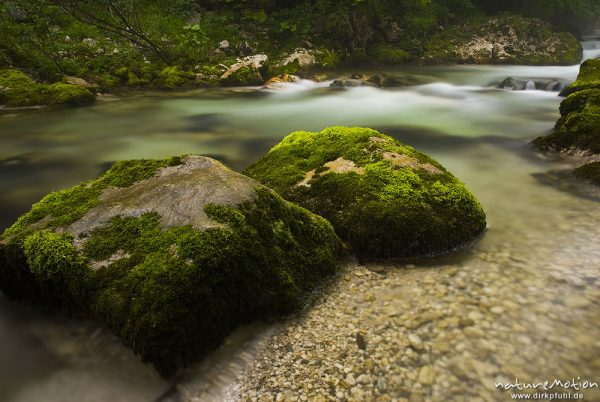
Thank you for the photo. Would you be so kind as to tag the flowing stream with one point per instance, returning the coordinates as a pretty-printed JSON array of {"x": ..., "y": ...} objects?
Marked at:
[{"x": 455, "y": 114}]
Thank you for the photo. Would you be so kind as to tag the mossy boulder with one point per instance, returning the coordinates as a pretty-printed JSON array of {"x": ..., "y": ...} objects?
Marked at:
[
  {"x": 589, "y": 172},
  {"x": 503, "y": 39},
  {"x": 579, "y": 125},
  {"x": 173, "y": 77},
  {"x": 18, "y": 90},
  {"x": 588, "y": 78},
  {"x": 576, "y": 131},
  {"x": 171, "y": 254},
  {"x": 383, "y": 198},
  {"x": 68, "y": 94}
]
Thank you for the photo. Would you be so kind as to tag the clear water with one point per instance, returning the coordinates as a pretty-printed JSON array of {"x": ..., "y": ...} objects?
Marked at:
[{"x": 480, "y": 133}]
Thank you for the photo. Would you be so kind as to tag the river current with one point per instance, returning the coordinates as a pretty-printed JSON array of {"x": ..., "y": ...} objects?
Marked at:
[{"x": 455, "y": 114}]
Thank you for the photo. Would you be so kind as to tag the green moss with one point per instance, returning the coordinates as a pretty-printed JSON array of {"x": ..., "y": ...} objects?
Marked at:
[
  {"x": 172, "y": 77},
  {"x": 108, "y": 82},
  {"x": 588, "y": 78},
  {"x": 589, "y": 172},
  {"x": 579, "y": 125},
  {"x": 580, "y": 130},
  {"x": 17, "y": 89},
  {"x": 580, "y": 101},
  {"x": 388, "y": 54},
  {"x": 174, "y": 294},
  {"x": 121, "y": 72},
  {"x": 63, "y": 207},
  {"x": 387, "y": 209},
  {"x": 67, "y": 94},
  {"x": 56, "y": 266}
]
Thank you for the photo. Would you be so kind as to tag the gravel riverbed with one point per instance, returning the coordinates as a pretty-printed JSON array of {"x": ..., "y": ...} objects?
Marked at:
[{"x": 441, "y": 333}]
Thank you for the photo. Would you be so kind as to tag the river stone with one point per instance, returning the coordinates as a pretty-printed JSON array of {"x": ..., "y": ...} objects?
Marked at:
[
  {"x": 505, "y": 39},
  {"x": 171, "y": 254},
  {"x": 249, "y": 70},
  {"x": 427, "y": 375},
  {"x": 578, "y": 129},
  {"x": 542, "y": 84},
  {"x": 383, "y": 197}
]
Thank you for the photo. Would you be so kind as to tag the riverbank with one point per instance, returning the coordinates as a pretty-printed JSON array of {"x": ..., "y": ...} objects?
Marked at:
[
  {"x": 166, "y": 47},
  {"x": 436, "y": 333}
]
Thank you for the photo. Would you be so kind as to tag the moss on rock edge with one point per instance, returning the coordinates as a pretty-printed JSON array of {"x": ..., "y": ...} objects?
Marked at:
[
  {"x": 18, "y": 90},
  {"x": 579, "y": 124},
  {"x": 171, "y": 291},
  {"x": 382, "y": 197}
]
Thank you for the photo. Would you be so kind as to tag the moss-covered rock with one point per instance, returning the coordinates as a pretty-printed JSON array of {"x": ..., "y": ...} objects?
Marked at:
[
  {"x": 589, "y": 172},
  {"x": 576, "y": 130},
  {"x": 68, "y": 94},
  {"x": 588, "y": 78},
  {"x": 384, "y": 198},
  {"x": 580, "y": 101},
  {"x": 579, "y": 124},
  {"x": 17, "y": 89},
  {"x": 171, "y": 254},
  {"x": 172, "y": 77},
  {"x": 503, "y": 39}
]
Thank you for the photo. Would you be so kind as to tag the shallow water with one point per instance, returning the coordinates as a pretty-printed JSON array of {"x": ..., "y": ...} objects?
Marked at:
[{"x": 478, "y": 132}]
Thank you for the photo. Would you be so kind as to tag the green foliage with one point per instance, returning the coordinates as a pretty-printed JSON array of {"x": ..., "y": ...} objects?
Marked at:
[
  {"x": 92, "y": 40},
  {"x": 392, "y": 55},
  {"x": 406, "y": 209}
]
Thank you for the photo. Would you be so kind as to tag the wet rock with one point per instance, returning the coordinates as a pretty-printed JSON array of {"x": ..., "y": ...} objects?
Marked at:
[
  {"x": 304, "y": 58},
  {"x": 247, "y": 71},
  {"x": 80, "y": 82},
  {"x": 553, "y": 85},
  {"x": 350, "y": 83},
  {"x": 507, "y": 39},
  {"x": 147, "y": 247},
  {"x": 280, "y": 79},
  {"x": 367, "y": 199}
]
